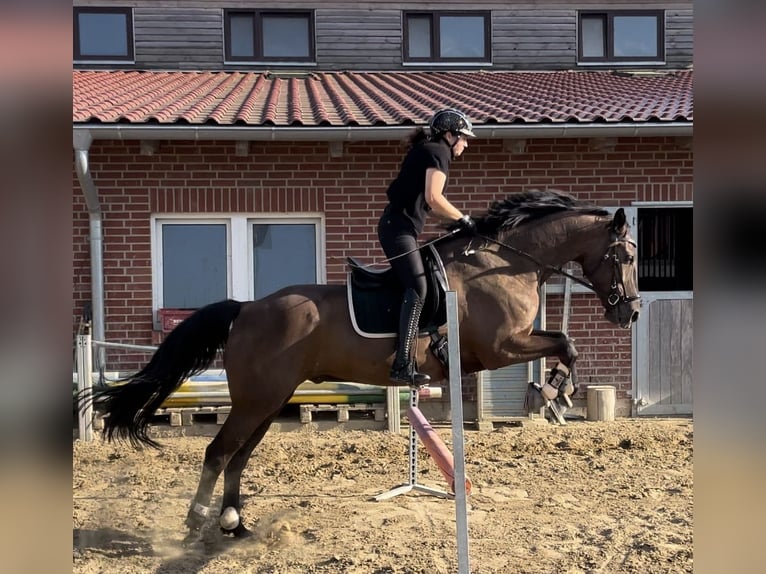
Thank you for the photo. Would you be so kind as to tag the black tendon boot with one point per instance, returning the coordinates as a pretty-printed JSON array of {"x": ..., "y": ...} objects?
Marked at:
[{"x": 404, "y": 369}]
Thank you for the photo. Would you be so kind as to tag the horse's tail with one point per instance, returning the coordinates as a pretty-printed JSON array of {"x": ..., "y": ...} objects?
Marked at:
[{"x": 187, "y": 350}]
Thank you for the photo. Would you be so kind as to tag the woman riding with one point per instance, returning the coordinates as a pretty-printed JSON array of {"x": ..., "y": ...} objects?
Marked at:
[{"x": 417, "y": 190}]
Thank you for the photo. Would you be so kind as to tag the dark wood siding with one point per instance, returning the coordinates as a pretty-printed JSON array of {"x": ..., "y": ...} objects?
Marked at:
[
  {"x": 178, "y": 38},
  {"x": 534, "y": 38},
  {"x": 359, "y": 39},
  {"x": 679, "y": 37},
  {"x": 532, "y": 35}
]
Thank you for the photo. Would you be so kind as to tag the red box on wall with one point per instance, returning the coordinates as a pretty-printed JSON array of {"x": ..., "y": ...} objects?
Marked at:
[{"x": 169, "y": 318}]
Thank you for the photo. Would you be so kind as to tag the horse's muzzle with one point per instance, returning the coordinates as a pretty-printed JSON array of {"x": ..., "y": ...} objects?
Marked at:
[
  {"x": 630, "y": 319},
  {"x": 624, "y": 316}
]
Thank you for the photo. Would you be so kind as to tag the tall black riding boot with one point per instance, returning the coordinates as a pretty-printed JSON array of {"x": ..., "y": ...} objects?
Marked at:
[{"x": 404, "y": 369}]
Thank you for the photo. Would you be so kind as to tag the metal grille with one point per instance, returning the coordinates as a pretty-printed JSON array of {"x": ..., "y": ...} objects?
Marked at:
[{"x": 665, "y": 256}]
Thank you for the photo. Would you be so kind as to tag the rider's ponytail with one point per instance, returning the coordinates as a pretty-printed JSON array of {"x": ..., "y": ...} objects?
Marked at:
[{"x": 417, "y": 137}]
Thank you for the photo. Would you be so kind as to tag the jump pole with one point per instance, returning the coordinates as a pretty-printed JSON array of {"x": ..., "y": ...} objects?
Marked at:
[
  {"x": 435, "y": 447},
  {"x": 458, "y": 439},
  {"x": 452, "y": 467}
]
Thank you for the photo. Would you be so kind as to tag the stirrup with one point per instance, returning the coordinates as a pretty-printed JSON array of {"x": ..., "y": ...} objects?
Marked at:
[{"x": 407, "y": 375}]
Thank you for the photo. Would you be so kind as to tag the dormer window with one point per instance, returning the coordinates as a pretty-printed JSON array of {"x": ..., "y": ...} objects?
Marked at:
[
  {"x": 450, "y": 37},
  {"x": 103, "y": 34},
  {"x": 621, "y": 36},
  {"x": 269, "y": 36}
]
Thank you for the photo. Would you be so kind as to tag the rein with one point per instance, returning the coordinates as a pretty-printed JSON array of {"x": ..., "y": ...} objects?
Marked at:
[
  {"x": 553, "y": 268},
  {"x": 418, "y": 248},
  {"x": 615, "y": 295}
]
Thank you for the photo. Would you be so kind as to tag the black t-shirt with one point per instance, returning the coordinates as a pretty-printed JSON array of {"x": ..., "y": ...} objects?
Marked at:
[{"x": 406, "y": 194}]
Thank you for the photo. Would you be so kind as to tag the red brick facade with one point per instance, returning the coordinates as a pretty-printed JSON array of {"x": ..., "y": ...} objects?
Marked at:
[{"x": 279, "y": 177}]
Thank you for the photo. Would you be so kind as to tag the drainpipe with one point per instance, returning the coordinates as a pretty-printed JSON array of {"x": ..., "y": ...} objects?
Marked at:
[{"x": 82, "y": 140}]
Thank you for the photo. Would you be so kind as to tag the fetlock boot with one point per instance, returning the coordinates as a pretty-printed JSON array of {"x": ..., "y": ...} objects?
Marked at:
[{"x": 404, "y": 369}]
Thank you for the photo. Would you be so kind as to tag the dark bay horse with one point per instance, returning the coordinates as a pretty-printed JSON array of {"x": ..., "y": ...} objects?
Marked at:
[{"x": 304, "y": 332}]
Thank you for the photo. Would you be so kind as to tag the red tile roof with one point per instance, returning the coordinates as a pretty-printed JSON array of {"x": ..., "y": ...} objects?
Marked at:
[{"x": 377, "y": 98}]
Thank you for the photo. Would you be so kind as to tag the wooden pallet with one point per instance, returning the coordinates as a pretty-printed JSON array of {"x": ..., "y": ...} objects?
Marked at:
[
  {"x": 188, "y": 416},
  {"x": 342, "y": 410},
  {"x": 181, "y": 416}
]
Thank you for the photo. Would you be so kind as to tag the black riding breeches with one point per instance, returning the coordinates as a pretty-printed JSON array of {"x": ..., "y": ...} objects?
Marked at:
[{"x": 397, "y": 238}]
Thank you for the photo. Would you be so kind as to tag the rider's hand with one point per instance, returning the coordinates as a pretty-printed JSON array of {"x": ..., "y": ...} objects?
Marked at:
[{"x": 467, "y": 223}]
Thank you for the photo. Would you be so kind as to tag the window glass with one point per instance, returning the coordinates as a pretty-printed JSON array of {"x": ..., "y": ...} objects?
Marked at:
[
  {"x": 593, "y": 37},
  {"x": 461, "y": 37},
  {"x": 283, "y": 254},
  {"x": 635, "y": 36},
  {"x": 419, "y": 36},
  {"x": 286, "y": 36},
  {"x": 103, "y": 34},
  {"x": 194, "y": 265},
  {"x": 241, "y": 31}
]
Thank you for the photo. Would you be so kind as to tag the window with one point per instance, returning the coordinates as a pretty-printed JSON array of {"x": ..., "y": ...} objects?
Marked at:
[
  {"x": 283, "y": 254},
  {"x": 194, "y": 257},
  {"x": 665, "y": 253},
  {"x": 103, "y": 34},
  {"x": 446, "y": 37},
  {"x": 274, "y": 35},
  {"x": 624, "y": 36},
  {"x": 200, "y": 261}
]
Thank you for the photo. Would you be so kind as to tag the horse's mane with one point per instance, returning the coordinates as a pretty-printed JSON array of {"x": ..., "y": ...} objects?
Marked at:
[{"x": 521, "y": 208}]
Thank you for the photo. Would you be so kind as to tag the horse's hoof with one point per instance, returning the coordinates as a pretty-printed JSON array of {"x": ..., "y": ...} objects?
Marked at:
[
  {"x": 194, "y": 537},
  {"x": 239, "y": 532}
]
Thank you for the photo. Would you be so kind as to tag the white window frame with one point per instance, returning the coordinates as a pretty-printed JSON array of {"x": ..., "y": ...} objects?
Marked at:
[{"x": 239, "y": 250}]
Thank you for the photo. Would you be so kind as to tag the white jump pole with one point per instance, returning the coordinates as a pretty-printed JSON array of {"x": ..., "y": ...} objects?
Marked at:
[
  {"x": 458, "y": 439},
  {"x": 393, "y": 410},
  {"x": 418, "y": 423},
  {"x": 84, "y": 382}
]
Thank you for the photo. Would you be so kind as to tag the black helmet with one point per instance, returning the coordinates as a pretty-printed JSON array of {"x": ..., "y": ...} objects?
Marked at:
[{"x": 452, "y": 121}]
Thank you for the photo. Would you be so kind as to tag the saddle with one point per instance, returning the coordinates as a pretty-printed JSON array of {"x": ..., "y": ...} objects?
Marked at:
[{"x": 375, "y": 297}]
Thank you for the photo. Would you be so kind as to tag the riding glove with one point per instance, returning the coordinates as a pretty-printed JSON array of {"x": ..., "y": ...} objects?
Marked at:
[{"x": 467, "y": 223}]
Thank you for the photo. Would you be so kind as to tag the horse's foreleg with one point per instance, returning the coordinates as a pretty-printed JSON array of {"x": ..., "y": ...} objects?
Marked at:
[
  {"x": 564, "y": 347},
  {"x": 540, "y": 344},
  {"x": 565, "y": 351},
  {"x": 232, "y": 476}
]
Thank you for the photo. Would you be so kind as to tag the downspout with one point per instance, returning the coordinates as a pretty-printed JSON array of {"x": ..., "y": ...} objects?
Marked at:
[{"x": 82, "y": 140}]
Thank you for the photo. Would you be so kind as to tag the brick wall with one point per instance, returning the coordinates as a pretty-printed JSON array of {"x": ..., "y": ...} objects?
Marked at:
[{"x": 278, "y": 177}]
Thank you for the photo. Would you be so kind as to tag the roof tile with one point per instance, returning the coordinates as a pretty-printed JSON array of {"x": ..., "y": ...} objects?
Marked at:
[{"x": 378, "y": 98}]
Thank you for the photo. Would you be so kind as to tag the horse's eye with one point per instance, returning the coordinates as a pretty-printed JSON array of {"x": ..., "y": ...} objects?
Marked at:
[{"x": 630, "y": 260}]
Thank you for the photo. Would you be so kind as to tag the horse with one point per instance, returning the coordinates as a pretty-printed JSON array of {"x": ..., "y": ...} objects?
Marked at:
[{"x": 303, "y": 332}]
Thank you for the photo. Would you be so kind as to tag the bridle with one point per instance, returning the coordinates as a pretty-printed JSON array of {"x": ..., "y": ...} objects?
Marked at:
[{"x": 617, "y": 291}]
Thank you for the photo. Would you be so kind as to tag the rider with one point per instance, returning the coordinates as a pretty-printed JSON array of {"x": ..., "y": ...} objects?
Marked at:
[{"x": 416, "y": 190}]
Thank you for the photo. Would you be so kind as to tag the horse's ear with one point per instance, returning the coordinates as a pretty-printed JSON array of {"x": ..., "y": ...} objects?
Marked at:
[{"x": 619, "y": 221}]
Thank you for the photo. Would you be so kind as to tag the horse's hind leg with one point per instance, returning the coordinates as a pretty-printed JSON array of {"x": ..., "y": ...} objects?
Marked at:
[
  {"x": 236, "y": 430},
  {"x": 232, "y": 476}
]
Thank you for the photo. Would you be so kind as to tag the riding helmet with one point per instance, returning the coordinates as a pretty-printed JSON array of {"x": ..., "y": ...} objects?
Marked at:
[{"x": 450, "y": 120}]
